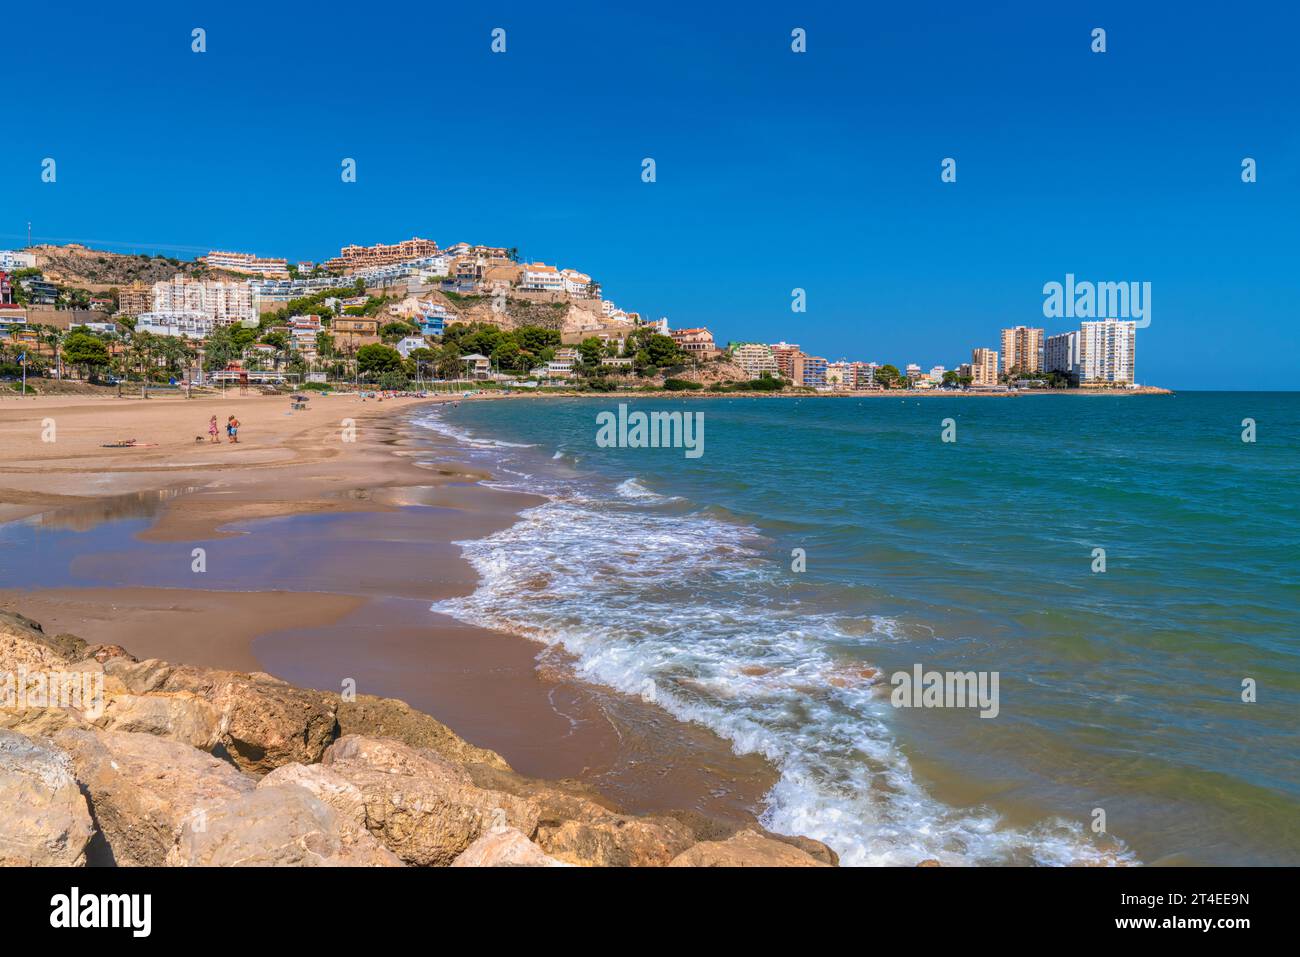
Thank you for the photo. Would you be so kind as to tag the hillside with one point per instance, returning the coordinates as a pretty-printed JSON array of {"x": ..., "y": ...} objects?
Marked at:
[{"x": 97, "y": 270}]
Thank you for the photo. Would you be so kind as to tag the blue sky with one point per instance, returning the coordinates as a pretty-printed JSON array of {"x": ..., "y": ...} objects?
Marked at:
[{"x": 775, "y": 170}]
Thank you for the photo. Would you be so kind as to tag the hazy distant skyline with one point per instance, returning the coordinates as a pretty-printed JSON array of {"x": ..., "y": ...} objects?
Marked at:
[{"x": 775, "y": 170}]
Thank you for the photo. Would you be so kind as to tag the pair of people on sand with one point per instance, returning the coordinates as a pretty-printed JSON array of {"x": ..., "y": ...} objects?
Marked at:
[{"x": 232, "y": 430}]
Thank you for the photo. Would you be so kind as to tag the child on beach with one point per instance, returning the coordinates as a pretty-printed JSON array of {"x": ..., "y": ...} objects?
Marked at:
[
  {"x": 212, "y": 430},
  {"x": 232, "y": 428}
]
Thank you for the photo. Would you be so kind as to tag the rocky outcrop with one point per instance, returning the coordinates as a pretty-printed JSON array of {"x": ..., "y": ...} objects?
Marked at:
[
  {"x": 505, "y": 847},
  {"x": 327, "y": 786},
  {"x": 181, "y": 716},
  {"x": 419, "y": 805},
  {"x": 45, "y": 820},
  {"x": 283, "y": 826},
  {"x": 143, "y": 789},
  {"x": 391, "y": 718},
  {"x": 746, "y": 848},
  {"x": 24, "y": 645},
  {"x": 188, "y": 766},
  {"x": 262, "y": 722},
  {"x": 617, "y": 841}
]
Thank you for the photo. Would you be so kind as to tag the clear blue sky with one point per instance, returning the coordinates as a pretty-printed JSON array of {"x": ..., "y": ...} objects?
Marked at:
[{"x": 775, "y": 170}]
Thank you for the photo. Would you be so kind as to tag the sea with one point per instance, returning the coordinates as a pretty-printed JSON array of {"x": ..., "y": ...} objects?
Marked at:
[{"x": 1126, "y": 566}]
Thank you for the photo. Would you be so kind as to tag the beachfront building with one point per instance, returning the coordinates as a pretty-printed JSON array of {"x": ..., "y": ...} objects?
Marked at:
[
  {"x": 1022, "y": 349},
  {"x": 984, "y": 367},
  {"x": 539, "y": 277},
  {"x": 912, "y": 372},
  {"x": 1061, "y": 354},
  {"x": 1106, "y": 352},
  {"x": 935, "y": 375},
  {"x": 864, "y": 374},
  {"x": 784, "y": 354},
  {"x": 186, "y": 324},
  {"x": 839, "y": 375},
  {"x": 754, "y": 357},
  {"x": 222, "y": 302},
  {"x": 351, "y": 258},
  {"x": 809, "y": 371},
  {"x": 696, "y": 343},
  {"x": 247, "y": 263}
]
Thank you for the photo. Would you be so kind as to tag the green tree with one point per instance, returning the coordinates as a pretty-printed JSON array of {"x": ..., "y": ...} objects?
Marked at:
[
  {"x": 376, "y": 359},
  {"x": 85, "y": 351}
]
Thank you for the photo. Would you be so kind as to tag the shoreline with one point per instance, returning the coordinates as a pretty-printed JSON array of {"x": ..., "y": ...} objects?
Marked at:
[{"x": 296, "y": 494}]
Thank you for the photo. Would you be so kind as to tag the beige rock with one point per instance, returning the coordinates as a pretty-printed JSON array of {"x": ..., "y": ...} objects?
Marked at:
[
  {"x": 746, "y": 848},
  {"x": 421, "y": 806},
  {"x": 505, "y": 847},
  {"x": 281, "y": 826},
  {"x": 617, "y": 840},
  {"x": 23, "y": 644},
  {"x": 44, "y": 820},
  {"x": 325, "y": 784},
  {"x": 263, "y": 722},
  {"x": 392, "y": 718},
  {"x": 143, "y": 789},
  {"x": 181, "y": 716}
]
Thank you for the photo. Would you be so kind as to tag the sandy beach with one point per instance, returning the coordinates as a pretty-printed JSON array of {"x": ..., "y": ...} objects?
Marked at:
[{"x": 319, "y": 569}]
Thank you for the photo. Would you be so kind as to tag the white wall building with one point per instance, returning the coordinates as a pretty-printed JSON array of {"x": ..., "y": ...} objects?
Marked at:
[
  {"x": 222, "y": 302},
  {"x": 1061, "y": 354},
  {"x": 1106, "y": 352},
  {"x": 754, "y": 357},
  {"x": 182, "y": 323},
  {"x": 539, "y": 277},
  {"x": 11, "y": 259}
]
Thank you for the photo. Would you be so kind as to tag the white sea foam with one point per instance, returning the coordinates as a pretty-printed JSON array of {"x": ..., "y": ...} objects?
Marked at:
[{"x": 692, "y": 604}]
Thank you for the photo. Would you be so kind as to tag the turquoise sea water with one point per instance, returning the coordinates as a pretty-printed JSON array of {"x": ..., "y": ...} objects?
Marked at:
[{"x": 1120, "y": 691}]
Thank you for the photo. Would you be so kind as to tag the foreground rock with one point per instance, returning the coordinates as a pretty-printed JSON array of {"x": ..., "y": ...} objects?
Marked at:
[
  {"x": 421, "y": 806},
  {"x": 44, "y": 820},
  {"x": 747, "y": 848},
  {"x": 617, "y": 841},
  {"x": 391, "y": 718},
  {"x": 505, "y": 847},
  {"x": 262, "y": 722},
  {"x": 283, "y": 826},
  {"x": 24, "y": 644},
  {"x": 143, "y": 789},
  {"x": 191, "y": 766}
]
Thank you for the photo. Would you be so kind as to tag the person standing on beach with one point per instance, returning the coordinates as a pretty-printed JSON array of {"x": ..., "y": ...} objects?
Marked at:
[
  {"x": 232, "y": 428},
  {"x": 212, "y": 430}
]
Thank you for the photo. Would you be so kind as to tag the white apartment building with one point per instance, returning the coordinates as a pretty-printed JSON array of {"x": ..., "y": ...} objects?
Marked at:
[
  {"x": 1106, "y": 352},
  {"x": 247, "y": 263},
  {"x": 576, "y": 283},
  {"x": 539, "y": 277},
  {"x": 1061, "y": 354},
  {"x": 11, "y": 259},
  {"x": 754, "y": 357},
  {"x": 222, "y": 302},
  {"x": 187, "y": 324}
]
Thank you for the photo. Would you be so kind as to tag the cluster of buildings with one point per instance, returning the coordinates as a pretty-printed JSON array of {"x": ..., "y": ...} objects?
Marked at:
[{"x": 1100, "y": 353}]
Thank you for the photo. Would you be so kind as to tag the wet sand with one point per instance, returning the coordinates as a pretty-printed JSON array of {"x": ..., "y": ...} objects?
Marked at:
[{"x": 322, "y": 559}]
